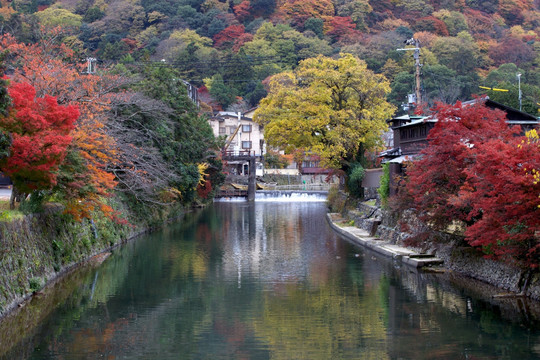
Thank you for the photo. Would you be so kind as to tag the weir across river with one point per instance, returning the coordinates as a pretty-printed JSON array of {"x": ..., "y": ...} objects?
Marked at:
[{"x": 273, "y": 195}]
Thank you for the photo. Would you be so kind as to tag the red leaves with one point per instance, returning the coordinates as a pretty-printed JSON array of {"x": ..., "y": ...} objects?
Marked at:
[
  {"x": 38, "y": 114},
  {"x": 48, "y": 67},
  {"x": 431, "y": 24},
  {"x": 243, "y": 10},
  {"x": 474, "y": 170},
  {"x": 339, "y": 27},
  {"x": 40, "y": 131},
  {"x": 228, "y": 35},
  {"x": 505, "y": 200}
]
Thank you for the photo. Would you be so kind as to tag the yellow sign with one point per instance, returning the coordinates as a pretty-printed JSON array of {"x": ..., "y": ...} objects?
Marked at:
[{"x": 492, "y": 89}]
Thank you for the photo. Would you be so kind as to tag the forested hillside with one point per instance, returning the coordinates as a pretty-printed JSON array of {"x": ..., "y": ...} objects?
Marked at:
[{"x": 230, "y": 47}]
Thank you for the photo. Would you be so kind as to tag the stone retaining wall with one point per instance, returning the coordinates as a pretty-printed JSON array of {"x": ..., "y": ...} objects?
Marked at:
[
  {"x": 457, "y": 256},
  {"x": 38, "y": 248}
]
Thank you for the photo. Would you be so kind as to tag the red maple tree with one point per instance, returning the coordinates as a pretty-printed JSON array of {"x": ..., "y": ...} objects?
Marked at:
[
  {"x": 51, "y": 68},
  {"x": 228, "y": 35},
  {"x": 40, "y": 131},
  {"x": 475, "y": 170},
  {"x": 504, "y": 200},
  {"x": 243, "y": 10},
  {"x": 340, "y": 27}
]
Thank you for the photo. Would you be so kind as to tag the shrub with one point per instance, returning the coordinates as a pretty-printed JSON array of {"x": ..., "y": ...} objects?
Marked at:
[
  {"x": 356, "y": 176},
  {"x": 384, "y": 188}
]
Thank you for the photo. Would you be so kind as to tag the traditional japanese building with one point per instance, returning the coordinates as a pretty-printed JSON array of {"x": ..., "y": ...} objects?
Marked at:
[{"x": 410, "y": 135}]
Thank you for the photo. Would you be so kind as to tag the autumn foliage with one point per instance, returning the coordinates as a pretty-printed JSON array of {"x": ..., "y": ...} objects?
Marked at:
[
  {"x": 228, "y": 35},
  {"x": 54, "y": 76},
  {"x": 480, "y": 171},
  {"x": 40, "y": 131}
]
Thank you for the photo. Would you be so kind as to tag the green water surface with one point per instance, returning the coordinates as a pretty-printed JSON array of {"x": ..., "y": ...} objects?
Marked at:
[{"x": 263, "y": 281}]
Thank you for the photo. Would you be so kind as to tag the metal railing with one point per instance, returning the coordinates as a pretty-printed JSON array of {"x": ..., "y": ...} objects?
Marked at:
[
  {"x": 233, "y": 153},
  {"x": 307, "y": 187}
]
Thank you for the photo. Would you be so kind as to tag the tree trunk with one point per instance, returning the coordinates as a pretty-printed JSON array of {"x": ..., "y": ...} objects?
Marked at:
[{"x": 16, "y": 196}]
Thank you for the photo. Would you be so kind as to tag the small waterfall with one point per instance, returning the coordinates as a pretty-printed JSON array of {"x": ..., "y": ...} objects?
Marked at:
[
  {"x": 290, "y": 196},
  {"x": 281, "y": 196}
]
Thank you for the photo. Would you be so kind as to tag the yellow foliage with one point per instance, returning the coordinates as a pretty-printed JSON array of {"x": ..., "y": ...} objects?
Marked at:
[
  {"x": 328, "y": 107},
  {"x": 187, "y": 36},
  {"x": 202, "y": 173},
  {"x": 532, "y": 137},
  {"x": 170, "y": 195},
  {"x": 6, "y": 11}
]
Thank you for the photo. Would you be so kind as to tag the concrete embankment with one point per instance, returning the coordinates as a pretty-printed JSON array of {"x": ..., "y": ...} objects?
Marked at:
[
  {"x": 362, "y": 237},
  {"x": 412, "y": 241}
]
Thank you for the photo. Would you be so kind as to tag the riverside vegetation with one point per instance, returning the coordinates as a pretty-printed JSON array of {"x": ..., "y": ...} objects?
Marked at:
[
  {"x": 94, "y": 159},
  {"x": 116, "y": 143}
]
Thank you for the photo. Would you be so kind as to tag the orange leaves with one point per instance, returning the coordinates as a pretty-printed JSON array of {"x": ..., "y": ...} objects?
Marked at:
[
  {"x": 298, "y": 11},
  {"x": 55, "y": 75}
]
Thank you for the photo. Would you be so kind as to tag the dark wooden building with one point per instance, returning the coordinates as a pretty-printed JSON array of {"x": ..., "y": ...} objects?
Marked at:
[{"x": 410, "y": 135}]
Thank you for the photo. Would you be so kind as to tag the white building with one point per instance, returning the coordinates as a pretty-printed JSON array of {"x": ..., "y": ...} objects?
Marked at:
[{"x": 242, "y": 135}]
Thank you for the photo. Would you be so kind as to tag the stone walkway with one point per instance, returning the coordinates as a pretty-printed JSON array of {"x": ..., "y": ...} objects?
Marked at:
[{"x": 362, "y": 238}]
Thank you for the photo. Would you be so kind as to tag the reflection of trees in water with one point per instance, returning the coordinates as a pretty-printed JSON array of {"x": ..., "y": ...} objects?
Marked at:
[
  {"x": 431, "y": 318},
  {"x": 76, "y": 293},
  {"x": 303, "y": 293},
  {"x": 323, "y": 323}
]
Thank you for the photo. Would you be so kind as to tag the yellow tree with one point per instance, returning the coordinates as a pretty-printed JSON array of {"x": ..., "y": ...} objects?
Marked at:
[{"x": 335, "y": 108}]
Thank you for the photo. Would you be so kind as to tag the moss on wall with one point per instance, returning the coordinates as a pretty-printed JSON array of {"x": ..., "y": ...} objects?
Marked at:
[{"x": 38, "y": 247}]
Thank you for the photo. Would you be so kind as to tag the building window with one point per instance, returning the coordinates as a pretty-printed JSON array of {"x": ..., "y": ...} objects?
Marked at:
[
  {"x": 232, "y": 129},
  {"x": 310, "y": 164},
  {"x": 222, "y": 130},
  {"x": 246, "y": 144},
  {"x": 246, "y": 128}
]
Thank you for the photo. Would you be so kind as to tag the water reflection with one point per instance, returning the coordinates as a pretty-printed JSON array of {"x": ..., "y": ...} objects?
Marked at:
[{"x": 263, "y": 281}]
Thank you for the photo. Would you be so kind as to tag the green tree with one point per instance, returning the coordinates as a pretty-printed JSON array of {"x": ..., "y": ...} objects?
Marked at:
[
  {"x": 224, "y": 95},
  {"x": 182, "y": 136},
  {"x": 315, "y": 25},
  {"x": 458, "y": 53},
  {"x": 384, "y": 188},
  {"x": 506, "y": 73},
  {"x": 354, "y": 181},
  {"x": 455, "y": 21},
  {"x": 356, "y": 9},
  {"x": 331, "y": 107},
  {"x": 59, "y": 17},
  {"x": 402, "y": 85}
]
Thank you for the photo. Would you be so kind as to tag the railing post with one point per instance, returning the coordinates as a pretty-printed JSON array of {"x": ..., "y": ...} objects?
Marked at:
[{"x": 252, "y": 180}]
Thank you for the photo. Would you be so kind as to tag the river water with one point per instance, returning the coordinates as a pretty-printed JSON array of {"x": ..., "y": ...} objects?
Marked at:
[{"x": 268, "y": 280}]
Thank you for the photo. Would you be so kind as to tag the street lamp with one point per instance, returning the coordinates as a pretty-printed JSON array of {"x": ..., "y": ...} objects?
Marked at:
[{"x": 519, "y": 89}]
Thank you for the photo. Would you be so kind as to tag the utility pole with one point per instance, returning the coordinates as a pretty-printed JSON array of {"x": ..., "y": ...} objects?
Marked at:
[
  {"x": 416, "y": 49},
  {"x": 519, "y": 89},
  {"x": 91, "y": 65}
]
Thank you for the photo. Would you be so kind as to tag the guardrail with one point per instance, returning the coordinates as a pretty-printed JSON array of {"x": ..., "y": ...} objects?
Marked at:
[
  {"x": 320, "y": 187},
  {"x": 232, "y": 193},
  {"x": 233, "y": 153}
]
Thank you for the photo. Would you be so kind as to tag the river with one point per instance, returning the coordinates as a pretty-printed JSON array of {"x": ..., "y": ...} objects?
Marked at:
[{"x": 268, "y": 280}]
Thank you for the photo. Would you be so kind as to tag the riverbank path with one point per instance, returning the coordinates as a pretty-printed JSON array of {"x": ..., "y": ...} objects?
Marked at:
[{"x": 362, "y": 238}]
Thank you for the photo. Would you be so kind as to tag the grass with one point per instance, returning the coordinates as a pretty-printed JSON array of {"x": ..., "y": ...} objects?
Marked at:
[
  {"x": 370, "y": 202},
  {"x": 8, "y": 215}
]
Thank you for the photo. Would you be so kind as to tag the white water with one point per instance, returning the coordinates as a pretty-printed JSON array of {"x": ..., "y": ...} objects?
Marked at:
[
  {"x": 290, "y": 196},
  {"x": 280, "y": 196}
]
